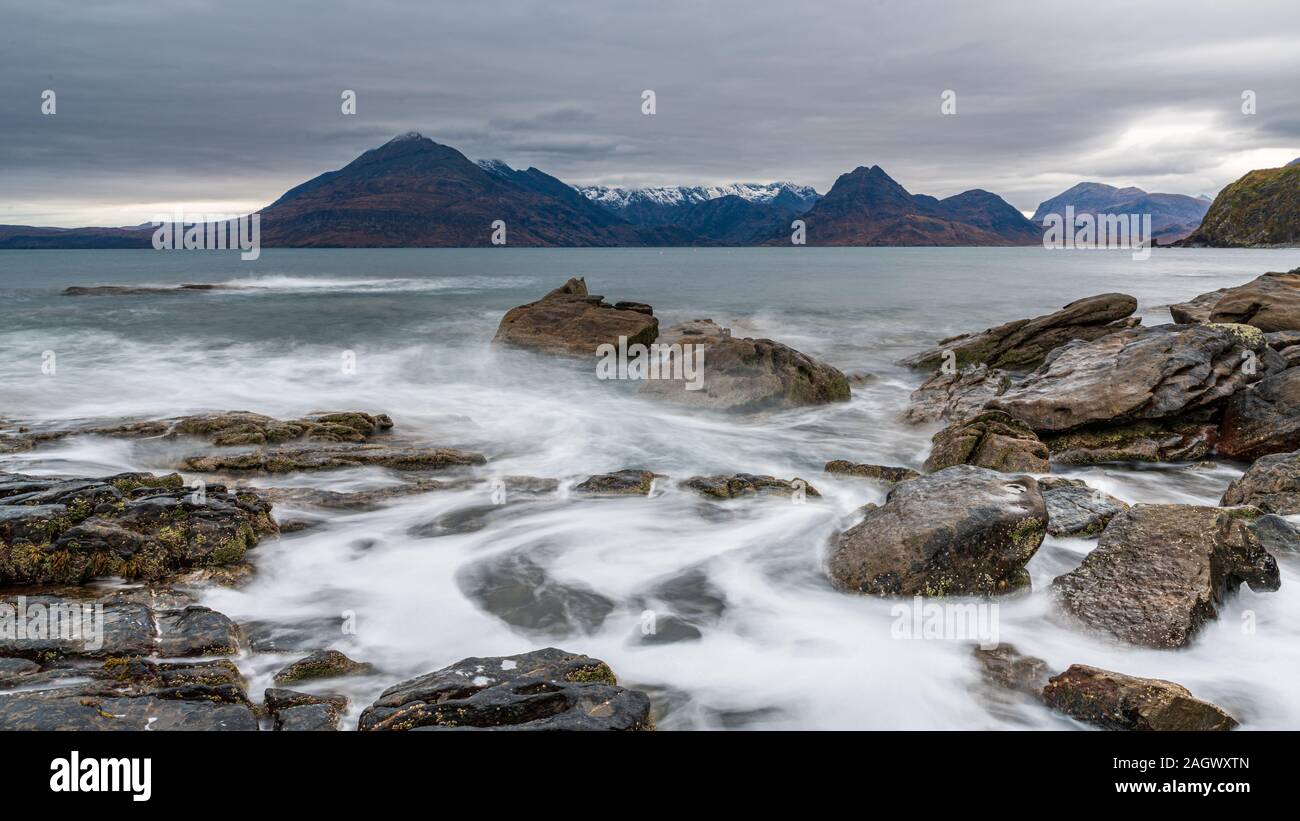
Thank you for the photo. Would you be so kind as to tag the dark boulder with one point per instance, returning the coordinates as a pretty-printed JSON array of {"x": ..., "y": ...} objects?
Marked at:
[
  {"x": 321, "y": 664},
  {"x": 292, "y": 711},
  {"x": 1115, "y": 701},
  {"x": 571, "y": 322},
  {"x": 1271, "y": 484},
  {"x": 1137, "y": 374},
  {"x": 741, "y": 485},
  {"x": 1023, "y": 344},
  {"x": 138, "y": 526},
  {"x": 546, "y": 689},
  {"x": 952, "y": 397},
  {"x": 331, "y": 457},
  {"x": 992, "y": 440},
  {"x": 1270, "y": 302},
  {"x": 883, "y": 473},
  {"x": 628, "y": 482},
  {"x": 743, "y": 374},
  {"x": 1160, "y": 572},
  {"x": 1186, "y": 438},
  {"x": 961, "y": 531},
  {"x": 1264, "y": 419},
  {"x": 1076, "y": 510}
]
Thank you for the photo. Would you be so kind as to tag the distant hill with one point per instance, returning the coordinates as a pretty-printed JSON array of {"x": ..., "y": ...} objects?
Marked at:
[
  {"x": 867, "y": 207},
  {"x": 1259, "y": 210},
  {"x": 664, "y": 205},
  {"x": 732, "y": 220},
  {"x": 414, "y": 192},
  {"x": 1173, "y": 216}
]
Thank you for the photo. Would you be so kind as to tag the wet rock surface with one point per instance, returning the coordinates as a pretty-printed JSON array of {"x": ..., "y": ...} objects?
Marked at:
[
  {"x": 740, "y": 485},
  {"x": 1186, "y": 438},
  {"x": 1276, "y": 535},
  {"x": 953, "y": 397},
  {"x": 137, "y": 526},
  {"x": 1130, "y": 375},
  {"x": 1263, "y": 419},
  {"x": 1160, "y": 572},
  {"x": 183, "y": 708},
  {"x": 1023, "y": 344},
  {"x": 1076, "y": 510},
  {"x": 117, "y": 626},
  {"x": 1115, "y": 701},
  {"x": 992, "y": 440},
  {"x": 546, "y": 689},
  {"x": 293, "y": 711},
  {"x": 1196, "y": 311},
  {"x": 744, "y": 374},
  {"x": 1006, "y": 667},
  {"x": 883, "y": 473},
  {"x": 961, "y": 531},
  {"x": 629, "y": 482},
  {"x": 224, "y": 428},
  {"x": 571, "y": 322},
  {"x": 1271, "y": 484},
  {"x": 1270, "y": 302},
  {"x": 321, "y": 664},
  {"x": 331, "y": 457}
]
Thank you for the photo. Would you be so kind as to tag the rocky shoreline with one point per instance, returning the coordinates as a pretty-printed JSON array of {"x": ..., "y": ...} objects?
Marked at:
[{"x": 1086, "y": 385}]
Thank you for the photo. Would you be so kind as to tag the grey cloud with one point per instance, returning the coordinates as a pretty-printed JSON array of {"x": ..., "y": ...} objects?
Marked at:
[{"x": 240, "y": 100}]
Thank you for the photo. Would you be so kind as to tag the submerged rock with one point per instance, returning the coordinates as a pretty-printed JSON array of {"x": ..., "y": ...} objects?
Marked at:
[
  {"x": 629, "y": 482},
  {"x": 230, "y": 428},
  {"x": 546, "y": 689},
  {"x": 1264, "y": 419},
  {"x": 1276, "y": 534},
  {"x": 1006, "y": 667},
  {"x": 1074, "y": 509},
  {"x": 739, "y": 485},
  {"x": 321, "y": 664},
  {"x": 1178, "y": 439},
  {"x": 1271, "y": 484},
  {"x": 883, "y": 473},
  {"x": 961, "y": 531},
  {"x": 137, "y": 526},
  {"x": 955, "y": 396},
  {"x": 1161, "y": 571},
  {"x": 1115, "y": 701},
  {"x": 517, "y": 588},
  {"x": 570, "y": 322},
  {"x": 743, "y": 374},
  {"x": 289, "y": 459},
  {"x": 1024, "y": 343},
  {"x": 992, "y": 440},
  {"x": 1130, "y": 375}
]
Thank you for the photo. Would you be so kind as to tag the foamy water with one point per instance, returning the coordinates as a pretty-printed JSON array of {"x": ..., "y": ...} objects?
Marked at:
[{"x": 433, "y": 578}]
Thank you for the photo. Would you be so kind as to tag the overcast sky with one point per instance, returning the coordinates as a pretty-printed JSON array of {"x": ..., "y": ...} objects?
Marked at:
[{"x": 221, "y": 106}]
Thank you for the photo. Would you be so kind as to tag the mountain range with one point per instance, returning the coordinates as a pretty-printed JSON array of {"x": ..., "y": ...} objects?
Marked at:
[
  {"x": 414, "y": 192},
  {"x": 1173, "y": 216}
]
